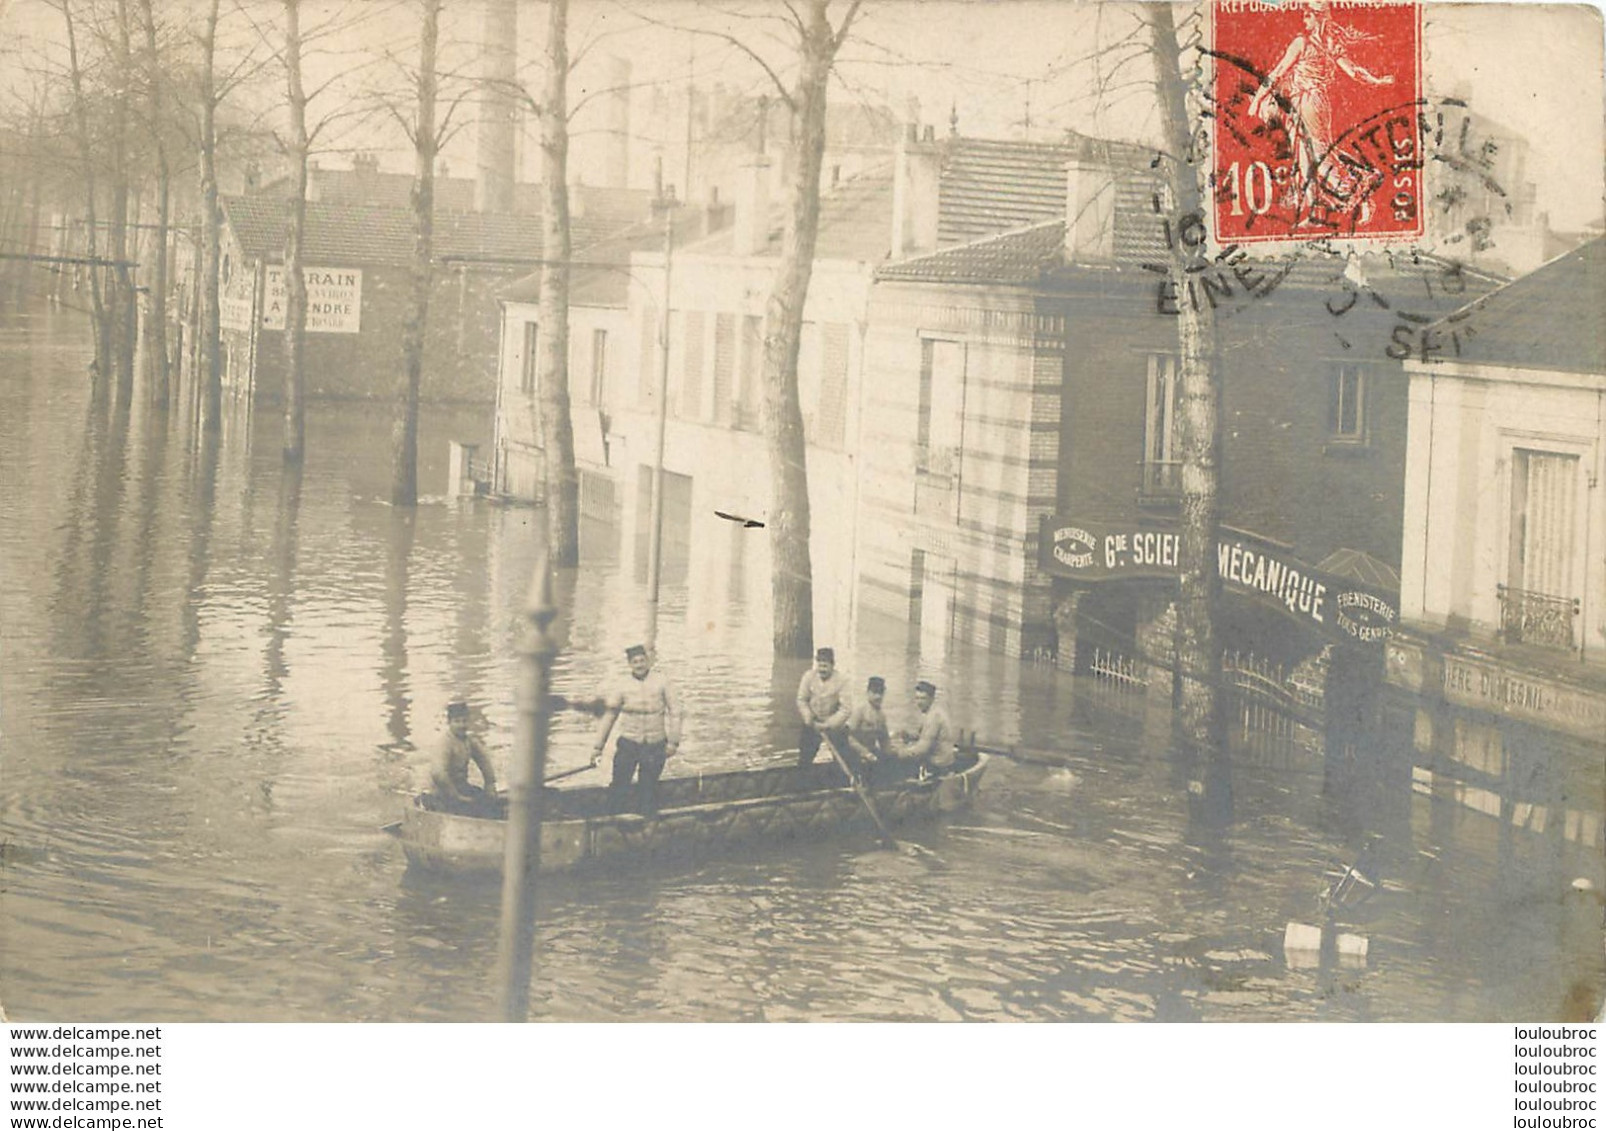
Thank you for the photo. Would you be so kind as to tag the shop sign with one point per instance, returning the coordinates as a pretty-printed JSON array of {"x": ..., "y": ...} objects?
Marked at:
[
  {"x": 1336, "y": 606},
  {"x": 334, "y": 299}
]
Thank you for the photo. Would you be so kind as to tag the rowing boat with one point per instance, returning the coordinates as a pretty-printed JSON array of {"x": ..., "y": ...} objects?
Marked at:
[{"x": 695, "y": 813}]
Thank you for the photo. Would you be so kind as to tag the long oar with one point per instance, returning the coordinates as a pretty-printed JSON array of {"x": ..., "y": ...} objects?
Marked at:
[
  {"x": 550, "y": 778},
  {"x": 863, "y": 791},
  {"x": 1025, "y": 754}
]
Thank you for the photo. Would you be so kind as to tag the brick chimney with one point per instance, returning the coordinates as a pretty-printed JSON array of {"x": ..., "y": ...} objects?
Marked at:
[
  {"x": 496, "y": 142},
  {"x": 916, "y": 174},
  {"x": 1089, "y": 205}
]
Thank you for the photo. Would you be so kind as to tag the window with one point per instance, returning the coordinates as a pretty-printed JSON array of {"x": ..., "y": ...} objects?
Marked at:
[
  {"x": 1347, "y": 405},
  {"x": 1162, "y": 430},
  {"x": 941, "y": 406},
  {"x": 747, "y": 389},
  {"x": 724, "y": 365},
  {"x": 599, "y": 366},
  {"x": 1538, "y": 604},
  {"x": 531, "y": 359},
  {"x": 691, "y": 354}
]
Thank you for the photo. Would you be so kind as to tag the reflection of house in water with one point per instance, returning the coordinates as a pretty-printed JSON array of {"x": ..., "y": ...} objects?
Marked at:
[{"x": 358, "y": 250}]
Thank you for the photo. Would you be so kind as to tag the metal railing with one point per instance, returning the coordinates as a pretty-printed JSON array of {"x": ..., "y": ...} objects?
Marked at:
[{"x": 1542, "y": 619}]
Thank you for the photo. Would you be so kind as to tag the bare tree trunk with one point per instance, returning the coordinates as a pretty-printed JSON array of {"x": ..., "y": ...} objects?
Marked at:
[
  {"x": 295, "y": 282},
  {"x": 156, "y": 323},
  {"x": 1198, "y": 653},
  {"x": 562, "y": 479},
  {"x": 209, "y": 345},
  {"x": 792, "y": 582},
  {"x": 121, "y": 290},
  {"x": 101, "y": 367},
  {"x": 404, "y": 437}
]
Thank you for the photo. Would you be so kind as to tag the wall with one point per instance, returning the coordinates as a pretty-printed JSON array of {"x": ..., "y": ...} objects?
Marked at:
[
  {"x": 1466, "y": 421},
  {"x": 980, "y": 523}
]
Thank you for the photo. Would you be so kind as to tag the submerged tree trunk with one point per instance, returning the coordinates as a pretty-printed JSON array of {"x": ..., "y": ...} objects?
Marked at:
[
  {"x": 404, "y": 436},
  {"x": 562, "y": 480},
  {"x": 295, "y": 283},
  {"x": 1198, "y": 372},
  {"x": 210, "y": 346},
  {"x": 156, "y": 362},
  {"x": 121, "y": 291},
  {"x": 792, "y": 583},
  {"x": 101, "y": 367}
]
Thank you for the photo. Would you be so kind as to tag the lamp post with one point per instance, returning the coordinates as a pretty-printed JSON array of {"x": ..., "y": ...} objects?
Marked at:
[
  {"x": 522, "y": 855},
  {"x": 655, "y": 522}
]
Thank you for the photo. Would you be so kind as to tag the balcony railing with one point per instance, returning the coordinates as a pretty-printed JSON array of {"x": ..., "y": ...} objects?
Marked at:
[{"x": 1537, "y": 618}]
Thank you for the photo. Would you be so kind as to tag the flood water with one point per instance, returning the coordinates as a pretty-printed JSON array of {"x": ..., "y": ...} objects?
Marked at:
[{"x": 219, "y": 680}]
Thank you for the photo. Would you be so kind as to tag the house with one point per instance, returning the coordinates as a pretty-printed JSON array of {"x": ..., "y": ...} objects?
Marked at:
[
  {"x": 357, "y": 257},
  {"x": 1033, "y": 373},
  {"x": 715, "y": 455},
  {"x": 1503, "y": 579}
]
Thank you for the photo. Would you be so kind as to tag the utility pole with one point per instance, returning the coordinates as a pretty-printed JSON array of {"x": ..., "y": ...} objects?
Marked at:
[
  {"x": 522, "y": 861},
  {"x": 655, "y": 532}
]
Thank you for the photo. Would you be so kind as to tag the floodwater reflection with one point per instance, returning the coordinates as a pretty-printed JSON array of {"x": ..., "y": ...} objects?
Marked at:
[{"x": 222, "y": 676}]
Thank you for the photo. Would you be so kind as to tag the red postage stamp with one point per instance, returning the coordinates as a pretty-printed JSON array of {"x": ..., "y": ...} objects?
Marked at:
[{"x": 1315, "y": 120}]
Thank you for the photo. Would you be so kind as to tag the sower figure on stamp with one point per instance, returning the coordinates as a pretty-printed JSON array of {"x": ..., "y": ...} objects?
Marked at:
[
  {"x": 648, "y": 713},
  {"x": 449, "y": 781},
  {"x": 1305, "y": 75},
  {"x": 821, "y": 707}
]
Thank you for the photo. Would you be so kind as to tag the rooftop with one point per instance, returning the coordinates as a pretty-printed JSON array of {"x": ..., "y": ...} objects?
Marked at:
[
  {"x": 1551, "y": 318},
  {"x": 367, "y": 234}
]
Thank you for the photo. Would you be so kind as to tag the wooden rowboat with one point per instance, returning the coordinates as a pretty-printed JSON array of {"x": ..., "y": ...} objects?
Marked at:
[{"x": 694, "y": 813}]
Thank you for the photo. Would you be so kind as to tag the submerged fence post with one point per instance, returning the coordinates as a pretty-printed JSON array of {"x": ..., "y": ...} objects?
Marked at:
[{"x": 522, "y": 862}]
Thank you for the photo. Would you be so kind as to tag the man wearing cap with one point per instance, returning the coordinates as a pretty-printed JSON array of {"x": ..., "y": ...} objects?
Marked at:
[
  {"x": 648, "y": 713},
  {"x": 820, "y": 706},
  {"x": 866, "y": 727},
  {"x": 450, "y": 778},
  {"x": 931, "y": 747}
]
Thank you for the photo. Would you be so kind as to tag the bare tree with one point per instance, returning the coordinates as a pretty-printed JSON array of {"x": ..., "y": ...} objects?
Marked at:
[
  {"x": 817, "y": 43},
  {"x": 120, "y": 291},
  {"x": 80, "y": 112},
  {"x": 209, "y": 336},
  {"x": 156, "y": 320},
  {"x": 426, "y": 135},
  {"x": 1198, "y": 652},
  {"x": 295, "y": 281},
  {"x": 562, "y": 478}
]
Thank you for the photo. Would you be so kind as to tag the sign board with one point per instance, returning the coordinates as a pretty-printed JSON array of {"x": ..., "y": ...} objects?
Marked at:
[
  {"x": 234, "y": 313},
  {"x": 334, "y": 299},
  {"x": 1335, "y": 606}
]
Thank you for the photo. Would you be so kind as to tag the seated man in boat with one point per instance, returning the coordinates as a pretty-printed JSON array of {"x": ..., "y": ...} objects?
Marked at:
[
  {"x": 821, "y": 707},
  {"x": 648, "y": 713},
  {"x": 930, "y": 748},
  {"x": 449, "y": 782},
  {"x": 867, "y": 737}
]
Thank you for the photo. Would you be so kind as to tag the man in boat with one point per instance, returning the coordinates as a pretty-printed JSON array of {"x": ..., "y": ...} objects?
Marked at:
[
  {"x": 930, "y": 747},
  {"x": 821, "y": 707},
  {"x": 648, "y": 714},
  {"x": 450, "y": 778},
  {"x": 868, "y": 740}
]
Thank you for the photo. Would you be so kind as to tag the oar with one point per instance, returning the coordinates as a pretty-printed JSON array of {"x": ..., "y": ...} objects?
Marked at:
[
  {"x": 863, "y": 791},
  {"x": 1027, "y": 755},
  {"x": 549, "y": 779}
]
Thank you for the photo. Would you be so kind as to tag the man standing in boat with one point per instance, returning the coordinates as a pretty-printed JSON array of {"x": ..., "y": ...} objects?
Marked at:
[
  {"x": 450, "y": 778},
  {"x": 930, "y": 749},
  {"x": 868, "y": 740},
  {"x": 820, "y": 706},
  {"x": 648, "y": 714}
]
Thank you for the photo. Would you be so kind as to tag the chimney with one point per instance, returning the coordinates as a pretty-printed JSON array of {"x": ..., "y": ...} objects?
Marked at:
[
  {"x": 752, "y": 224},
  {"x": 616, "y": 173},
  {"x": 495, "y": 140},
  {"x": 1089, "y": 205},
  {"x": 914, "y": 193}
]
